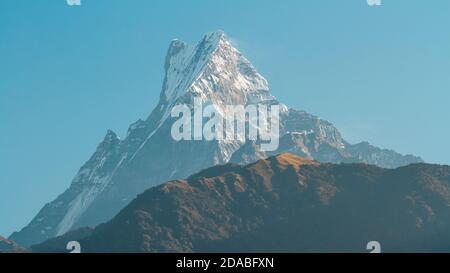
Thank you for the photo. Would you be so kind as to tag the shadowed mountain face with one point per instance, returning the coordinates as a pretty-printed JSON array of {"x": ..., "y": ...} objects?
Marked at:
[
  {"x": 282, "y": 204},
  {"x": 7, "y": 246},
  {"x": 216, "y": 73}
]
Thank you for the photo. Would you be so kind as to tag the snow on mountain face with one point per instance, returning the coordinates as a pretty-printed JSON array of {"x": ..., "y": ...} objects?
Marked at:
[
  {"x": 218, "y": 74},
  {"x": 213, "y": 71},
  {"x": 208, "y": 67}
]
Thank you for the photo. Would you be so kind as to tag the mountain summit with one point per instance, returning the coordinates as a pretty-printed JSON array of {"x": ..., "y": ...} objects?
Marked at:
[
  {"x": 213, "y": 70},
  {"x": 216, "y": 73}
]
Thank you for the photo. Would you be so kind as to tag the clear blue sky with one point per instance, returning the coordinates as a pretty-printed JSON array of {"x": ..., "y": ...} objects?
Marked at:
[{"x": 67, "y": 74}]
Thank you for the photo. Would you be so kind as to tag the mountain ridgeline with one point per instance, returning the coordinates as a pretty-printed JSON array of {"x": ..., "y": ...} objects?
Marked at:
[
  {"x": 282, "y": 204},
  {"x": 7, "y": 246},
  {"x": 218, "y": 74}
]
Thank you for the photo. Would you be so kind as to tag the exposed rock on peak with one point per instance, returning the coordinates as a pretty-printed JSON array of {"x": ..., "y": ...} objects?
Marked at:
[{"x": 288, "y": 159}]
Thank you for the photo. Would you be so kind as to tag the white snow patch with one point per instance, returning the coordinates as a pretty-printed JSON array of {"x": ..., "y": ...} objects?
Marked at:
[{"x": 88, "y": 195}]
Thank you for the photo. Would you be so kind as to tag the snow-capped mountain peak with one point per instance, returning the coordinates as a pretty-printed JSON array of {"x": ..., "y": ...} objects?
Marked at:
[
  {"x": 215, "y": 71},
  {"x": 212, "y": 69}
]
